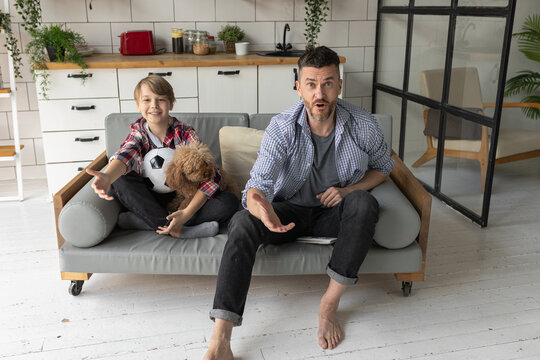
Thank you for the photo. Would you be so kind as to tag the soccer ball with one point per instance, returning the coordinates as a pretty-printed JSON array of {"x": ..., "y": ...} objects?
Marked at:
[{"x": 154, "y": 164}]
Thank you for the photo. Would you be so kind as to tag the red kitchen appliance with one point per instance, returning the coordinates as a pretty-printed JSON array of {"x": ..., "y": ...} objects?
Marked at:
[{"x": 137, "y": 43}]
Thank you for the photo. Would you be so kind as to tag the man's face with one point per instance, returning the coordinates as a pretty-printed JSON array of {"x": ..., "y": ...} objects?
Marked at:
[{"x": 319, "y": 88}]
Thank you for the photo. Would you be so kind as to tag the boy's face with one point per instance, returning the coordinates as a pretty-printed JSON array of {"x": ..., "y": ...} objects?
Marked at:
[{"x": 154, "y": 108}]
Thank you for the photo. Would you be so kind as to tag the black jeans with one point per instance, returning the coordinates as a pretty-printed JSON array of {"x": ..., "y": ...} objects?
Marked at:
[
  {"x": 352, "y": 221},
  {"x": 135, "y": 194}
]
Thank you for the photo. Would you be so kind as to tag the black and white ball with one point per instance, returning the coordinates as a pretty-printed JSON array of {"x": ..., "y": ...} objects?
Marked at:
[{"x": 154, "y": 164}]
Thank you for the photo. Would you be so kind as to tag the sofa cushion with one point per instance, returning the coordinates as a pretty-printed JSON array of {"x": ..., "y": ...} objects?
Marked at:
[
  {"x": 399, "y": 223},
  {"x": 87, "y": 219},
  {"x": 239, "y": 147}
]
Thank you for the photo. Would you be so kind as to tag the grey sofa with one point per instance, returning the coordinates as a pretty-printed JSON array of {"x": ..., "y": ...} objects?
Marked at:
[{"x": 83, "y": 219}]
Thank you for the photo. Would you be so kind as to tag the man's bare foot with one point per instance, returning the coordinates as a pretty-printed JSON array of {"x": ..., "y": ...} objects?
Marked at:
[
  {"x": 330, "y": 333},
  {"x": 219, "y": 349}
]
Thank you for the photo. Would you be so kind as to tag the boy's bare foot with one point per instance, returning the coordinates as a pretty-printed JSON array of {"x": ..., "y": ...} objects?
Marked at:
[
  {"x": 219, "y": 349},
  {"x": 330, "y": 333}
]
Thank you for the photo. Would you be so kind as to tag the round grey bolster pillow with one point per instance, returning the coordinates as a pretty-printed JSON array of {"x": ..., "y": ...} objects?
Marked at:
[
  {"x": 86, "y": 220},
  {"x": 399, "y": 223}
]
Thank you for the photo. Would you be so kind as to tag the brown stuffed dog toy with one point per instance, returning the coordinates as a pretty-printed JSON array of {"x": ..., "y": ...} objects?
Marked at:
[{"x": 192, "y": 164}]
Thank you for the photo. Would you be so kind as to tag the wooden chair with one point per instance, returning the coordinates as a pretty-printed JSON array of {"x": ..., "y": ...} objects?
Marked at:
[{"x": 465, "y": 92}]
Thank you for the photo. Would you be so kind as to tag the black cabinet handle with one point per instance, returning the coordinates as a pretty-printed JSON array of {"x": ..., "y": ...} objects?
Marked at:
[
  {"x": 168, "y": 73},
  {"x": 80, "y": 108},
  {"x": 234, "y": 72},
  {"x": 295, "y": 71},
  {"x": 95, "y": 138},
  {"x": 79, "y": 76},
  {"x": 80, "y": 168}
]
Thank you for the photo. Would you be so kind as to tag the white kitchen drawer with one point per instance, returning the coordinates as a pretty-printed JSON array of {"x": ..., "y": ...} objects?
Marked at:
[
  {"x": 184, "y": 105},
  {"x": 182, "y": 79},
  {"x": 68, "y": 146},
  {"x": 83, "y": 114},
  {"x": 66, "y": 84},
  {"x": 59, "y": 175},
  {"x": 228, "y": 89},
  {"x": 277, "y": 89}
]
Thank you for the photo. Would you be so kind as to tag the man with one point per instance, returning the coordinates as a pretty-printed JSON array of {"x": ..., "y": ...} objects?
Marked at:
[{"x": 316, "y": 163}]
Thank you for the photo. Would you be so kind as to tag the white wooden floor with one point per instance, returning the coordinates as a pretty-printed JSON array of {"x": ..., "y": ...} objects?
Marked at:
[{"x": 481, "y": 298}]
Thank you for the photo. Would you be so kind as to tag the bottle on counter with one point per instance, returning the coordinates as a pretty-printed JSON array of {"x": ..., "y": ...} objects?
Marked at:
[
  {"x": 189, "y": 38},
  {"x": 211, "y": 45},
  {"x": 177, "y": 37}
]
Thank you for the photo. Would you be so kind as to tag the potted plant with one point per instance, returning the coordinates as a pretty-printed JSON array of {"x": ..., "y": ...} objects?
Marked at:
[
  {"x": 53, "y": 43},
  {"x": 230, "y": 34},
  {"x": 528, "y": 81},
  {"x": 315, "y": 16}
]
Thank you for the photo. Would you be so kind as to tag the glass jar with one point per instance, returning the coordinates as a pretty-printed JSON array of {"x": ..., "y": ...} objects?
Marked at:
[
  {"x": 189, "y": 38},
  {"x": 211, "y": 45},
  {"x": 177, "y": 41},
  {"x": 200, "y": 45}
]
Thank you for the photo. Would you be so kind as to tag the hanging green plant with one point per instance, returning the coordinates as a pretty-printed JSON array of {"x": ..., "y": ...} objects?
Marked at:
[
  {"x": 528, "y": 81},
  {"x": 11, "y": 43},
  {"x": 30, "y": 12},
  {"x": 316, "y": 13}
]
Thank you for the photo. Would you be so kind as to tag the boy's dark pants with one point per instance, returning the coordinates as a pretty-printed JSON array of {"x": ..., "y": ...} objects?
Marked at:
[
  {"x": 135, "y": 194},
  {"x": 352, "y": 221}
]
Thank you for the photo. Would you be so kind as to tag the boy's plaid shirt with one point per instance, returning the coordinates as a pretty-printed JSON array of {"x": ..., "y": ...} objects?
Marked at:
[{"x": 138, "y": 144}]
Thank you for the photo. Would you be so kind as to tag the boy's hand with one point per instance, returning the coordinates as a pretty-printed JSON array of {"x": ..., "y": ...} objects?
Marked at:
[
  {"x": 178, "y": 219},
  {"x": 102, "y": 183},
  {"x": 269, "y": 217}
]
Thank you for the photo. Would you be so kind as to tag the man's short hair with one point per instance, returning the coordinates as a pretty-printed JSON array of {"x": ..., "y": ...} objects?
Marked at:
[
  {"x": 158, "y": 85},
  {"x": 318, "y": 57}
]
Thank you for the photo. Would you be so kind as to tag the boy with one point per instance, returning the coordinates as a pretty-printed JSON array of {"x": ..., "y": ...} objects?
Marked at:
[{"x": 122, "y": 179}]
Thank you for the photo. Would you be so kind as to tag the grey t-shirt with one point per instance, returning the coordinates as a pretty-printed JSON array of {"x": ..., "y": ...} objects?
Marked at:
[{"x": 323, "y": 171}]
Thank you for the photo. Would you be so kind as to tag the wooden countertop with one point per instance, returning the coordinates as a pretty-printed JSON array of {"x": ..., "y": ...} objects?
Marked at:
[{"x": 118, "y": 61}]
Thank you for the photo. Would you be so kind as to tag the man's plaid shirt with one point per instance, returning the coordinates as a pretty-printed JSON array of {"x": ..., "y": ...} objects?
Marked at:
[
  {"x": 286, "y": 153},
  {"x": 138, "y": 144}
]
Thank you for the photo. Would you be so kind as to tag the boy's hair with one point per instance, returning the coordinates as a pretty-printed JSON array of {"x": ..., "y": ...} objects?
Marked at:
[
  {"x": 158, "y": 85},
  {"x": 318, "y": 57}
]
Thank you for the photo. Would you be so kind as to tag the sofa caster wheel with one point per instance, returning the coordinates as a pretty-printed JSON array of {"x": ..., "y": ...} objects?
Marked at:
[
  {"x": 75, "y": 287},
  {"x": 406, "y": 288}
]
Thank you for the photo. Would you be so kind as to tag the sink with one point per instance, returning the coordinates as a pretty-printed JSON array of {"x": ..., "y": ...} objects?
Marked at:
[{"x": 289, "y": 53}]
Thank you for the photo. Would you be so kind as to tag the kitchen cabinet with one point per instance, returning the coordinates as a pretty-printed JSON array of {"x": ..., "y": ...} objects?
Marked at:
[
  {"x": 277, "y": 89},
  {"x": 228, "y": 89}
]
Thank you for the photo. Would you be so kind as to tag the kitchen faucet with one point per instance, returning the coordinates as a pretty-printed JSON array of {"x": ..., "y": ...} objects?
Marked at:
[{"x": 284, "y": 46}]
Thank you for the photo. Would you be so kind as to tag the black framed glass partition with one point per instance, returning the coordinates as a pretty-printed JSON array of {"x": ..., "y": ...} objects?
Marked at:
[{"x": 440, "y": 69}]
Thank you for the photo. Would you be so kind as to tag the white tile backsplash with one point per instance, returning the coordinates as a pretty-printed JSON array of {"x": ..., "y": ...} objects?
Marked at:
[
  {"x": 354, "y": 58},
  {"x": 369, "y": 58},
  {"x": 258, "y": 33},
  {"x": 350, "y": 10},
  {"x": 56, "y": 11},
  {"x": 40, "y": 153},
  {"x": 276, "y": 10},
  {"x": 95, "y": 34},
  {"x": 109, "y": 11},
  {"x": 29, "y": 124},
  {"x": 155, "y": 10},
  {"x": 34, "y": 172},
  {"x": 235, "y": 10},
  {"x": 334, "y": 34},
  {"x": 372, "y": 10},
  {"x": 4, "y": 128},
  {"x": 362, "y": 33},
  {"x": 189, "y": 10},
  {"x": 358, "y": 84}
]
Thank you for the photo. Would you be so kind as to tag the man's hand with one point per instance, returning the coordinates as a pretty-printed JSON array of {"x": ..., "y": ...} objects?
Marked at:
[
  {"x": 102, "y": 183},
  {"x": 332, "y": 196},
  {"x": 268, "y": 216},
  {"x": 178, "y": 219}
]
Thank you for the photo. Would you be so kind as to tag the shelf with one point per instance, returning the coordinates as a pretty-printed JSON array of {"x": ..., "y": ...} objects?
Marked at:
[{"x": 8, "y": 150}]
